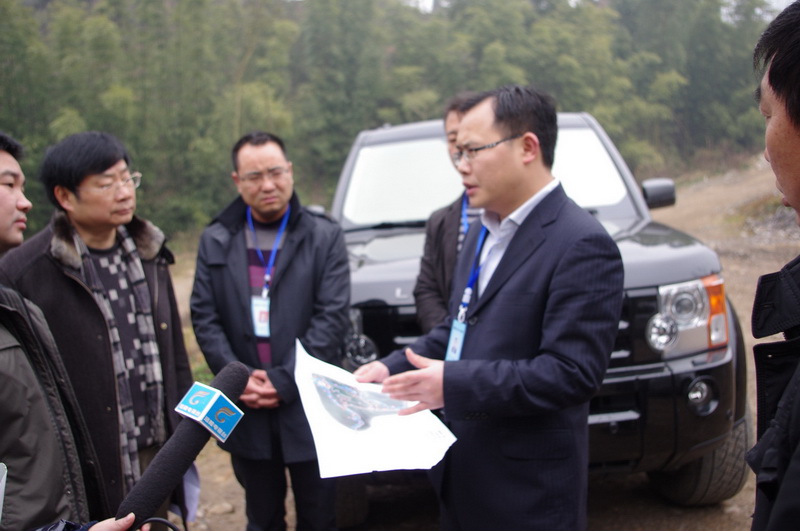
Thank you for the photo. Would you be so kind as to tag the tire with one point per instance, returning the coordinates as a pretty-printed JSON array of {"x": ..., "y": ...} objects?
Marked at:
[
  {"x": 352, "y": 504},
  {"x": 714, "y": 477}
]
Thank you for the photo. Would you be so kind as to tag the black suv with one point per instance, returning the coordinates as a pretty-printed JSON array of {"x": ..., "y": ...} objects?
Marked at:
[{"x": 673, "y": 403}]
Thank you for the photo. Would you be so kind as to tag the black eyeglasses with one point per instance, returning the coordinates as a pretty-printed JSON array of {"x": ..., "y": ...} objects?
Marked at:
[{"x": 468, "y": 154}]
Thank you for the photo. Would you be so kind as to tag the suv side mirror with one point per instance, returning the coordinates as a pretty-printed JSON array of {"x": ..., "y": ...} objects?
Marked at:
[{"x": 659, "y": 192}]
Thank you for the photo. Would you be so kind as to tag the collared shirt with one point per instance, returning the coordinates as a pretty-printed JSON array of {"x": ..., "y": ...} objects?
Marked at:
[{"x": 502, "y": 232}]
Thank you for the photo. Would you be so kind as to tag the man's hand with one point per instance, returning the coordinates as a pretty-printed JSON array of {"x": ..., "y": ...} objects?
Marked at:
[
  {"x": 259, "y": 392},
  {"x": 424, "y": 385},
  {"x": 372, "y": 372},
  {"x": 123, "y": 524}
]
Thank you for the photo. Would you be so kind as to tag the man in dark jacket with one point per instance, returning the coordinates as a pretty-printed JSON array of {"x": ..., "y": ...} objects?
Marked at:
[
  {"x": 37, "y": 443},
  {"x": 268, "y": 272},
  {"x": 776, "y": 457},
  {"x": 100, "y": 276},
  {"x": 444, "y": 235}
]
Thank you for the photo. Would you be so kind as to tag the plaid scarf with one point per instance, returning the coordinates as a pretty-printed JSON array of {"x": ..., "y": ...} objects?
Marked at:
[{"x": 154, "y": 388}]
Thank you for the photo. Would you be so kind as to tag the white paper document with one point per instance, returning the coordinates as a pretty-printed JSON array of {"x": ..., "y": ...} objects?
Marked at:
[
  {"x": 356, "y": 428},
  {"x": 3, "y": 473}
]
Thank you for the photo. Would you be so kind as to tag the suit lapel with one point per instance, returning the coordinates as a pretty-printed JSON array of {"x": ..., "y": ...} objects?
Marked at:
[{"x": 529, "y": 237}]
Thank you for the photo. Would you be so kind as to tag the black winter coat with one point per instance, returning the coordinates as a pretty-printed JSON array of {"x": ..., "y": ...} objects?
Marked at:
[
  {"x": 776, "y": 457},
  {"x": 309, "y": 300}
]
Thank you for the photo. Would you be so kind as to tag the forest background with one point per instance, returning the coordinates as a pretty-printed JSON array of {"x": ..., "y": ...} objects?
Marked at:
[{"x": 178, "y": 81}]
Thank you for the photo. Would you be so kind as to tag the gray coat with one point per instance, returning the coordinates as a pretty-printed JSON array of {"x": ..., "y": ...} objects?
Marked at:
[{"x": 309, "y": 300}]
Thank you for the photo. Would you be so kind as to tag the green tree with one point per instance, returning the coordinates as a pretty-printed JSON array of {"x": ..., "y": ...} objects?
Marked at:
[
  {"x": 335, "y": 101},
  {"x": 180, "y": 80},
  {"x": 25, "y": 96}
]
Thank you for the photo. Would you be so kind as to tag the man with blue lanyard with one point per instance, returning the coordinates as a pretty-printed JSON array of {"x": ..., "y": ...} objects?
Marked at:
[
  {"x": 268, "y": 272},
  {"x": 536, "y": 303},
  {"x": 444, "y": 237}
]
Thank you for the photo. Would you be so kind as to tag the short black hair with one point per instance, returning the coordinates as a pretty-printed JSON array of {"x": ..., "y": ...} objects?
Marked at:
[
  {"x": 254, "y": 138},
  {"x": 778, "y": 51},
  {"x": 519, "y": 109},
  {"x": 11, "y": 146},
  {"x": 76, "y": 157},
  {"x": 455, "y": 103}
]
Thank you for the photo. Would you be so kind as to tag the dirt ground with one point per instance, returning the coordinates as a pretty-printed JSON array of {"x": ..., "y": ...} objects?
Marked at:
[{"x": 736, "y": 213}]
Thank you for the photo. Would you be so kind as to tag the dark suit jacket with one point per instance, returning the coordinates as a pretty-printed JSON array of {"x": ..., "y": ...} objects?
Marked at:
[
  {"x": 432, "y": 290},
  {"x": 536, "y": 349}
]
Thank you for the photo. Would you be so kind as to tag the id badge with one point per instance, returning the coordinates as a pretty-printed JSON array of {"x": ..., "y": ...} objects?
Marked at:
[
  {"x": 457, "y": 332},
  {"x": 259, "y": 308}
]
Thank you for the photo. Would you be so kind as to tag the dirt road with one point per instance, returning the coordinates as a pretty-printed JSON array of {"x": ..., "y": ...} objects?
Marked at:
[{"x": 735, "y": 213}]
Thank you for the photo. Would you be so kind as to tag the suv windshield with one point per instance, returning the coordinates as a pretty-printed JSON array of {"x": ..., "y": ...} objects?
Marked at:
[
  {"x": 404, "y": 181},
  {"x": 592, "y": 179},
  {"x": 401, "y": 181}
]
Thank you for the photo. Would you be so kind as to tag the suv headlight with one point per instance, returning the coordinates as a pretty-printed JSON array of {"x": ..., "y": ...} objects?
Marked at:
[{"x": 692, "y": 317}]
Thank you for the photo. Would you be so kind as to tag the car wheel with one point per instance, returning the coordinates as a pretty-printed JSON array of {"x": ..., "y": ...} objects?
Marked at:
[
  {"x": 715, "y": 477},
  {"x": 352, "y": 503}
]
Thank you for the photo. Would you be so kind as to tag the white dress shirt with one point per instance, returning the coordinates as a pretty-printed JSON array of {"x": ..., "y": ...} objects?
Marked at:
[{"x": 501, "y": 233}]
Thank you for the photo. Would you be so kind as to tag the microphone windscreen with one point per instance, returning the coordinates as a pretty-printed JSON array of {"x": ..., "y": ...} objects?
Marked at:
[{"x": 176, "y": 456}]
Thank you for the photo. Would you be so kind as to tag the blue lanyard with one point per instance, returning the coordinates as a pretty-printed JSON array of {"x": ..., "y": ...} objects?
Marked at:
[
  {"x": 275, "y": 246},
  {"x": 473, "y": 277},
  {"x": 464, "y": 219}
]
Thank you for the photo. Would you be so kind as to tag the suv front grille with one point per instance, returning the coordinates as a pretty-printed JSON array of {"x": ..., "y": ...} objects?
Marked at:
[
  {"x": 385, "y": 325},
  {"x": 630, "y": 346}
]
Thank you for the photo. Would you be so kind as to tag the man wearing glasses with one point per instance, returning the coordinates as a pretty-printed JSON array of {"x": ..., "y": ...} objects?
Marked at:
[
  {"x": 536, "y": 302},
  {"x": 100, "y": 275},
  {"x": 268, "y": 272},
  {"x": 444, "y": 237}
]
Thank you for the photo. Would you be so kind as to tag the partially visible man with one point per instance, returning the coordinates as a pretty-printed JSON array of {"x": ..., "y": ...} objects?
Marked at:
[
  {"x": 100, "y": 276},
  {"x": 536, "y": 301},
  {"x": 44, "y": 481},
  {"x": 268, "y": 272},
  {"x": 14, "y": 206},
  {"x": 444, "y": 236},
  {"x": 776, "y": 457},
  {"x": 42, "y": 436}
]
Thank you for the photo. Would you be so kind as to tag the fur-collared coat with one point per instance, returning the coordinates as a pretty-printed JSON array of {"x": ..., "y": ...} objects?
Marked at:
[{"x": 46, "y": 270}]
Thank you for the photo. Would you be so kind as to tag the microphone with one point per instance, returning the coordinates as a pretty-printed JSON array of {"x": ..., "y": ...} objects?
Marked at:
[{"x": 178, "y": 453}]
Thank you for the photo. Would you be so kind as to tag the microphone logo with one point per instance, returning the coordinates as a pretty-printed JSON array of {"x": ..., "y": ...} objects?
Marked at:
[
  {"x": 197, "y": 398},
  {"x": 210, "y": 408},
  {"x": 223, "y": 414}
]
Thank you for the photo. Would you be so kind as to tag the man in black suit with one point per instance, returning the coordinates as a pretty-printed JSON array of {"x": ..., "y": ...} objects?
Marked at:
[{"x": 535, "y": 308}]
